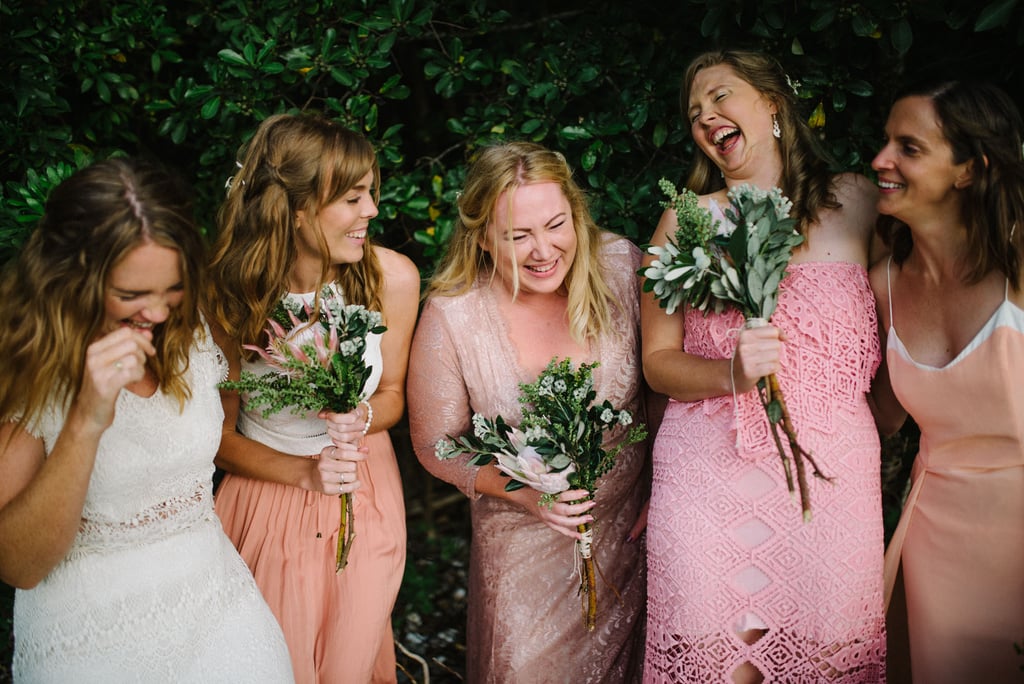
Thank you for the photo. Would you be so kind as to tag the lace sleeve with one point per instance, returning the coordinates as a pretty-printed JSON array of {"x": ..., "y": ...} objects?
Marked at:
[{"x": 438, "y": 399}]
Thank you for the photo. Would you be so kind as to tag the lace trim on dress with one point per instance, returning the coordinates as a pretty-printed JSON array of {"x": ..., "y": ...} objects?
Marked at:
[{"x": 169, "y": 517}]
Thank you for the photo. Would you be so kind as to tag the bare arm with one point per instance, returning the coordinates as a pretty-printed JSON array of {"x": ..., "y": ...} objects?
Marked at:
[
  {"x": 42, "y": 496},
  {"x": 400, "y": 300},
  {"x": 688, "y": 377}
]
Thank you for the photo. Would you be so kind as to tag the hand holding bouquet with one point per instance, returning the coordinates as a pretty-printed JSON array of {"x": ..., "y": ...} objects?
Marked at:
[
  {"x": 559, "y": 445},
  {"x": 709, "y": 264},
  {"x": 315, "y": 364}
]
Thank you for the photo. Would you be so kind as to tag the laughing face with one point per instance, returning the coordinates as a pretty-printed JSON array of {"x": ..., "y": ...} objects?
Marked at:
[
  {"x": 917, "y": 175},
  {"x": 344, "y": 224},
  {"x": 143, "y": 288},
  {"x": 731, "y": 121},
  {"x": 532, "y": 238}
]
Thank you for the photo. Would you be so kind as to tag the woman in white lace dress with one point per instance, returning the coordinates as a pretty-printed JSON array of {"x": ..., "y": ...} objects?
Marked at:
[{"x": 110, "y": 422}]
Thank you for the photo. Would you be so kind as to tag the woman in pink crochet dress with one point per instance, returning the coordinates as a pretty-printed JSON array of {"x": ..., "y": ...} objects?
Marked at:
[
  {"x": 528, "y": 276},
  {"x": 740, "y": 588},
  {"x": 950, "y": 299}
]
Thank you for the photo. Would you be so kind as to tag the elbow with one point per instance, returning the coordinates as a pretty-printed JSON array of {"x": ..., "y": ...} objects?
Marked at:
[
  {"x": 23, "y": 577},
  {"x": 653, "y": 378}
]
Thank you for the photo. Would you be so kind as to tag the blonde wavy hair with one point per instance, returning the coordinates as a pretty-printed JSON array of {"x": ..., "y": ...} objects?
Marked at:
[
  {"x": 504, "y": 168},
  {"x": 52, "y": 296},
  {"x": 806, "y": 174},
  {"x": 294, "y": 162}
]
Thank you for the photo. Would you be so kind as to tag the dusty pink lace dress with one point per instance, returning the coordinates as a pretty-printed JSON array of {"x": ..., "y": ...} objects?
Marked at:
[
  {"x": 727, "y": 549},
  {"x": 525, "y": 622}
]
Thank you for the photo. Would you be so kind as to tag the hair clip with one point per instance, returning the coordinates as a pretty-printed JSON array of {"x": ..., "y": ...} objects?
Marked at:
[{"x": 793, "y": 85}]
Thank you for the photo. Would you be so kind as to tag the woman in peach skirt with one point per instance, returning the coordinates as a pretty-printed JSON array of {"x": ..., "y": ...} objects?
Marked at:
[
  {"x": 293, "y": 231},
  {"x": 950, "y": 299}
]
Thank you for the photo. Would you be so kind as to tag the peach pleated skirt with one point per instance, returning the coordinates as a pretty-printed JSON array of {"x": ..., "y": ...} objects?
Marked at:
[{"x": 337, "y": 626}]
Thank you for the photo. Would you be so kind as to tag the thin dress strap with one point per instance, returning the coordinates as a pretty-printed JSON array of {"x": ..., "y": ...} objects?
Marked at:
[{"x": 888, "y": 289}]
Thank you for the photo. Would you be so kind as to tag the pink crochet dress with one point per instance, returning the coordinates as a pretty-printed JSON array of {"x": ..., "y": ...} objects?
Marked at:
[{"x": 727, "y": 549}]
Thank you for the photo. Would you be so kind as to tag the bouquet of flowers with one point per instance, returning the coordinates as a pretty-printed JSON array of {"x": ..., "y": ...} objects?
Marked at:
[
  {"x": 709, "y": 264},
  {"x": 315, "y": 364},
  {"x": 557, "y": 446}
]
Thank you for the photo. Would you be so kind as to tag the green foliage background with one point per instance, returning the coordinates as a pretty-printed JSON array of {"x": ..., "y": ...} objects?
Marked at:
[{"x": 429, "y": 81}]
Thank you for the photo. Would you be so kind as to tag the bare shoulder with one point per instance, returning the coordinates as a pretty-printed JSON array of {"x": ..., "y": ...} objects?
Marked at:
[
  {"x": 858, "y": 214},
  {"x": 400, "y": 273},
  {"x": 858, "y": 197},
  {"x": 879, "y": 277}
]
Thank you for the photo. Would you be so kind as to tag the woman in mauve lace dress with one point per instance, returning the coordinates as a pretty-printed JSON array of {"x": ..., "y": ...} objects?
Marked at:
[
  {"x": 111, "y": 419},
  {"x": 528, "y": 276},
  {"x": 740, "y": 588},
  {"x": 951, "y": 175}
]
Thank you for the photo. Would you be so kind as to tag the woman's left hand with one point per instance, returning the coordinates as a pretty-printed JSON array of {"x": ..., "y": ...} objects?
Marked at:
[{"x": 346, "y": 428}]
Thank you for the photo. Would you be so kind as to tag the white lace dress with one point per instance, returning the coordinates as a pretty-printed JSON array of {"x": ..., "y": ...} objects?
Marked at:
[{"x": 151, "y": 589}]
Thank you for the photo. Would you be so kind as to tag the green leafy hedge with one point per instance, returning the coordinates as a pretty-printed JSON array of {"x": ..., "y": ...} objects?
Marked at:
[{"x": 429, "y": 81}]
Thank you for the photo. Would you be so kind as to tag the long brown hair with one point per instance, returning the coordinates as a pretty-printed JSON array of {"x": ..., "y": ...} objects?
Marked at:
[
  {"x": 983, "y": 126},
  {"x": 806, "y": 176},
  {"x": 52, "y": 296},
  {"x": 293, "y": 162}
]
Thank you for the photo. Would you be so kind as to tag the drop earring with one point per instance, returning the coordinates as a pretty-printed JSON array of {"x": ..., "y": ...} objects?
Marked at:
[{"x": 776, "y": 131}]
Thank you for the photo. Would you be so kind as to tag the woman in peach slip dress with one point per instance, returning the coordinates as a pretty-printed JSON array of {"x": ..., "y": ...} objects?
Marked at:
[
  {"x": 740, "y": 589},
  {"x": 295, "y": 227},
  {"x": 952, "y": 176}
]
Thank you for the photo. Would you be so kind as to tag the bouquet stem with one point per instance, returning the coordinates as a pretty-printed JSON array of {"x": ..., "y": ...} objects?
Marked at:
[
  {"x": 778, "y": 414},
  {"x": 588, "y": 582},
  {"x": 346, "y": 532},
  {"x": 774, "y": 403}
]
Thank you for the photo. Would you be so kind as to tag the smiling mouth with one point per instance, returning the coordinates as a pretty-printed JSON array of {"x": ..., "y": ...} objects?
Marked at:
[
  {"x": 889, "y": 185},
  {"x": 723, "y": 136},
  {"x": 542, "y": 269},
  {"x": 139, "y": 325},
  {"x": 358, "y": 235}
]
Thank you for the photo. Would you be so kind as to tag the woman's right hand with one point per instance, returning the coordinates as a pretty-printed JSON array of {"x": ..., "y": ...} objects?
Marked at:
[
  {"x": 336, "y": 468},
  {"x": 758, "y": 352},
  {"x": 563, "y": 516},
  {"x": 112, "y": 362}
]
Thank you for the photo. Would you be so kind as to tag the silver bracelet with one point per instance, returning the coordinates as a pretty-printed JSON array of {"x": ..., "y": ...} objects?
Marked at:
[{"x": 369, "y": 416}]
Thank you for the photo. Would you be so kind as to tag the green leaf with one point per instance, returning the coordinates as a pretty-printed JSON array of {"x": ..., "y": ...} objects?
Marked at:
[
  {"x": 860, "y": 88},
  {"x": 862, "y": 25},
  {"x": 824, "y": 18},
  {"x": 210, "y": 108},
  {"x": 994, "y": 15},
  {"x": 576, "y": 133},
  {"x": 902, "y": 36},
  {"x": 660, "y": 134},
  {"x": 232, "y": 57}
]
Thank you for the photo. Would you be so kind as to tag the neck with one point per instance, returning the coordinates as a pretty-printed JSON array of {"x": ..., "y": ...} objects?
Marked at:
[
  {"x": 939, "y": 249},
  {"x": 303, "y": 279}
]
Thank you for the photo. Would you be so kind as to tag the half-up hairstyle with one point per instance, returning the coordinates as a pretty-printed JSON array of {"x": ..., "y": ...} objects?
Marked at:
[
  {"x": 983, "y": 126},
  {"x": 504, "y": 168},
  {"x": 806, "y": 176},
  {"x": 294, "y": 162},
  {"x": 52, "y": 296}
]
